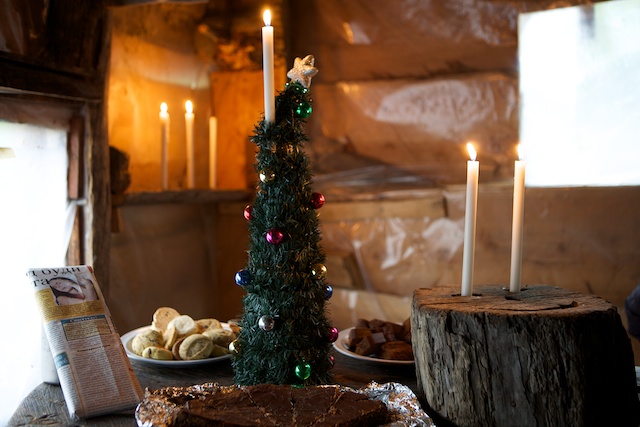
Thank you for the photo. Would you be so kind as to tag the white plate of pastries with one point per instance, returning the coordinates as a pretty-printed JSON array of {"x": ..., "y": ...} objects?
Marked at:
[
  {"x": 177, "y": 340},
  {"x": 377, "y": 341}
]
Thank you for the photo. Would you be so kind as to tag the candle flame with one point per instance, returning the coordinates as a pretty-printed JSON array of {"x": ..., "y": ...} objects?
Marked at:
[
  {"x": 519, "y": 149},
  {"x": 472, "y": 151},
  {"x": 163, "y": 107},
  {"x": 188, "y": 106},
  {"x": 266, "y": 17}
]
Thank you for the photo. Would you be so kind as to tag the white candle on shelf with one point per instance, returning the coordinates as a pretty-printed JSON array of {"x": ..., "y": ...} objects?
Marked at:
[
  {"x": 517, "y": 226},
  {"x": 470, "y": 222},
  {"x": 267, "y": 66},
  {"x": 213, "y": 135},
  {"x": 188, "y": 120},
  {"x": 164, "y": 135}
]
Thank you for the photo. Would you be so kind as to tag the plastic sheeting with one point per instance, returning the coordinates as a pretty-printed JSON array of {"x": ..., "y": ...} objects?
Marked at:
[
  {"x": 419, "y": 124},
  {"x": 365, "y": 39}
]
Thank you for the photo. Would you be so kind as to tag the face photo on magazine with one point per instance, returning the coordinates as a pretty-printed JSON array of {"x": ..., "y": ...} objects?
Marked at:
[{"x": 68, "y": 291}]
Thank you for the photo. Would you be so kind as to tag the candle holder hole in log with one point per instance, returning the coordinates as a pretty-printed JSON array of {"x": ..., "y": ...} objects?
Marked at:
[{"x": 543, "y": 356}]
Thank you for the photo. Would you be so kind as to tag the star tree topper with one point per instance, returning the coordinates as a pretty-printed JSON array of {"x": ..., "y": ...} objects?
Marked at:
[{"x": 303, "y": 70}]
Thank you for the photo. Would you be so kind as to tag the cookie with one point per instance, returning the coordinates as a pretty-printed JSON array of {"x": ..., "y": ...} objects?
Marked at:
[
  {"x": 175, "y": 350},
  {"x": 147, "y": 338},
  {"x": 195, "y": 346},
  {"x": 162, "y": 317},
  {"x": 206, "y": 324},
  {"x": 184, "y": 325},
  {"x": 221, "y": 337},
  {"x": 169, "y": 336},
  {"x": 157, "y": 353}
]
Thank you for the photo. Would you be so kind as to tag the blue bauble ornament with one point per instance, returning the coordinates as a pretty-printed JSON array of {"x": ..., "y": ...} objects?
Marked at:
[
  {"x": 328, "y": 292},
  {"x": 243, "y": 278}
]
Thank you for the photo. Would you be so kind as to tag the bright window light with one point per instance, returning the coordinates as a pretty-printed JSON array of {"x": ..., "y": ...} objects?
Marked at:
[
  {"x": 33, "y": 218},
  {"x": 579, "y": 95}
]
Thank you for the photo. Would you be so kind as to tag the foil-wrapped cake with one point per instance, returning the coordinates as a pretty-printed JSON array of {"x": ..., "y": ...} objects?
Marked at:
[{"x": 210, "y": 404}]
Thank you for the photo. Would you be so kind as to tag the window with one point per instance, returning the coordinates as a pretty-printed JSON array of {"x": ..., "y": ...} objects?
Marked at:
[
  {"x": 579, "y": 92},
  {"x": 35, "y": 225}
]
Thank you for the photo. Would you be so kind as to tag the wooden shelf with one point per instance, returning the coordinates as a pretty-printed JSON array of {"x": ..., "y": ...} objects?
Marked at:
[{"x": 181, "y": 196}]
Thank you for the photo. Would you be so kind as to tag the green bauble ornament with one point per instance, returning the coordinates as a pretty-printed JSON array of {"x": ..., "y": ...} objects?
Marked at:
[
  {"x": 303, "y": 109},
  {"x": 303, "y": 371}
]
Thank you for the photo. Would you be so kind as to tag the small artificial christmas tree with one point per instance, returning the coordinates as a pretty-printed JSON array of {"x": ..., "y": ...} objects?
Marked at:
[{"x": 285, "y": 336}]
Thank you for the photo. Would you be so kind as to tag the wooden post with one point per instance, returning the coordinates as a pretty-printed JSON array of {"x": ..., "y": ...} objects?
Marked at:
[{"x": 543, "y": 356}]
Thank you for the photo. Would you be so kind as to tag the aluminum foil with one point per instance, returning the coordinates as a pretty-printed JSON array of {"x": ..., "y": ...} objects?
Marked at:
[{"x": 159, "y": 408}]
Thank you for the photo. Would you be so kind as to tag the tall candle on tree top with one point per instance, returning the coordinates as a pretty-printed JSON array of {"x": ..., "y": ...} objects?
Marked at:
[
  {"x": 286, "y": 335},
  {"x": 470, "y": 222},
  {"x": 268, "y": 68},
  {"x": 517, "y": 226}
]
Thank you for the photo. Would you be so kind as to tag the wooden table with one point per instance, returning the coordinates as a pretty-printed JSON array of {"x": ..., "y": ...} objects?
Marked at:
[{"x": 45, "y": 405}]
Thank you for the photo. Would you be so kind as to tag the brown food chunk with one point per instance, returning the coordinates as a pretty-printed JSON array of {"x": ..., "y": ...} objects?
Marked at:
[
  {"x": 392, "y": 331},
  {"x": 396, "y": 350},
  {"x": 376, "y": 325},
  {"x": 362, "y": 323},
  {"x": 370, "y": 344},
  {"x": 406, "y": 331},
  {"x": 356, "y": 335}
]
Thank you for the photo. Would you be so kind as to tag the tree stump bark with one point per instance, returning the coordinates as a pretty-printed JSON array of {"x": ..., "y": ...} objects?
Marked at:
[{"x": 545, "y": 356}]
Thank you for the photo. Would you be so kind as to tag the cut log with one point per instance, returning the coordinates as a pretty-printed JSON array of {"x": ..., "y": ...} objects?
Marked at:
[{"x": 545, "y": 356}]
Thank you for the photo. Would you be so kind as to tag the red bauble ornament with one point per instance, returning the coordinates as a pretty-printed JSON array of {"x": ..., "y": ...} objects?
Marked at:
[
  {"x": 317, "y": 200},
  {"x": 248, "y": 210},
  {"x": 275, "y": 236},
  {"x": 333, "y": 334}
]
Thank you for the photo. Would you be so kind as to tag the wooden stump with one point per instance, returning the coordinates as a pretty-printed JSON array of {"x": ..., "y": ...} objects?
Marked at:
[{"x": 544, "y": 356}]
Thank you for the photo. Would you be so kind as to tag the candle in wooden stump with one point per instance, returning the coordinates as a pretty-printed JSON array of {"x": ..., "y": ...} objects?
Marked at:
[
  {"x": 164, "y": 144},
  {"x": 544, "y": 356},
  {"x": 517, "y": 226},
  {"x": 188, "y": 120},
  {"x": 470, "y": 222}
]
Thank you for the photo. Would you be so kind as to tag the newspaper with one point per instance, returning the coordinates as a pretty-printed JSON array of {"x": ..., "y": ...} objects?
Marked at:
[{"x": 95, "y": 373}]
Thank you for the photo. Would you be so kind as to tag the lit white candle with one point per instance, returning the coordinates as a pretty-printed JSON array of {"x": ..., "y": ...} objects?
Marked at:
[
  {"x": 267, "y": 65},
  {"x": 517, "y": 224},
  {"x": 213, "y": 135},
  {"x": 164, "y": 135},
  {"x": 188, "y": 120},
  {"x": 470, "y": 222}
]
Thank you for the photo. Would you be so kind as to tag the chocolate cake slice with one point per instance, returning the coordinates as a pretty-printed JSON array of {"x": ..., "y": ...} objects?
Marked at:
[
  {"x": 261, "y": 405},
  {"x": 232, "y": 408},
  {"x": 313, "y": 403},
  {"x": 354, "y": 410},
  {"x": 275, "y": 401}
]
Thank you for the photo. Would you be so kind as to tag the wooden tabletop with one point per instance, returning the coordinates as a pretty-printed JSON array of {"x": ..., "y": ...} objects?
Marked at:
[{"x": 45, "y": 405}]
